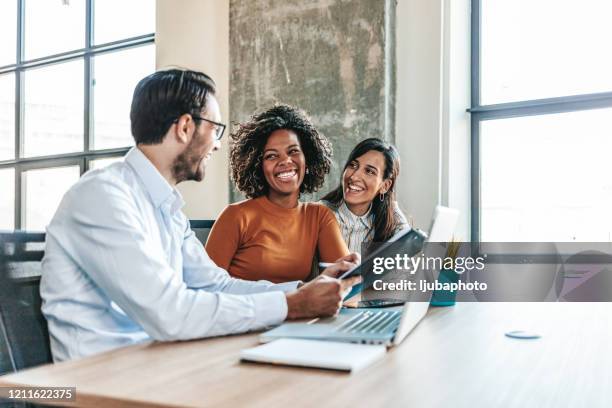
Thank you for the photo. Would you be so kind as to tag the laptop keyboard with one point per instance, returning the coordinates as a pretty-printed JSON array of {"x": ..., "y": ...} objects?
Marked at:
[{"x": 369, "y": 322}]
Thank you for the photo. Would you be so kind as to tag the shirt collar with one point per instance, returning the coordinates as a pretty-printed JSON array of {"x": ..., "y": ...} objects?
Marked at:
[
  {"x": 365, "y": 219},
  {"x": 160, "y": 191}
]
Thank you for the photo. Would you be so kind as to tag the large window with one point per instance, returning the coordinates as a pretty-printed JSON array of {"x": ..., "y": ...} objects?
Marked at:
[
  {"x": 541, "y": 120},
  {"x": 67, "y": 72}
]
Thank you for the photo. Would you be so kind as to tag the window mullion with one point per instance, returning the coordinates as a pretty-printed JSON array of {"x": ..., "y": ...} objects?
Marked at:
[
  {"x": 475, "y": 52},
  {"x": 475, "y": 176},
  {"x": 476, "y": 24},
  {"x": 17, "y": 198},
  {"x": 20, "y": 31},
  {"x": 88, "y": 96},
  {"x": 19, "y": 108},
  {"x": 88, "y": 91}
]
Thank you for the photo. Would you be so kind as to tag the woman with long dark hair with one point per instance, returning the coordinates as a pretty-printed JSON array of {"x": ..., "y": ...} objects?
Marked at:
[{"x": 364, "y": 203}]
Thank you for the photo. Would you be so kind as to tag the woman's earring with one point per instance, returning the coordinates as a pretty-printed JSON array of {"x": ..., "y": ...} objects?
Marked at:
[
  {"x": 382, "y": 197},
  {"x": 307, "y": 171}
]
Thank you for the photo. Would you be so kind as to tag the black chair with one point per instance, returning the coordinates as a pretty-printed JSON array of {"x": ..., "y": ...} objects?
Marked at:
[
  {"x": 24, "y": 337},
  {"x": 202, "y": 229}
]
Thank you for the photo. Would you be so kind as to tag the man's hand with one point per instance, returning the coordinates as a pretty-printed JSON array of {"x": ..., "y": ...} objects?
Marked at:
[{"x": 319, "y": 297}]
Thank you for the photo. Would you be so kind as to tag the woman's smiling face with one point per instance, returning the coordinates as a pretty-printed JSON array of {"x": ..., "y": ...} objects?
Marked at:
[
  {"x": 284, "y": 163},
  {"x": 362, "y": 181}
]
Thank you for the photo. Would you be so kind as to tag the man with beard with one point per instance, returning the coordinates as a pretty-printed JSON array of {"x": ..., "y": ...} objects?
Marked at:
[{"x": 122, "y": 265}]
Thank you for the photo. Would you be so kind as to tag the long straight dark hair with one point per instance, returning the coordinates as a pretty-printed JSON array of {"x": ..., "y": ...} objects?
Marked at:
[{"x": 386, "y": 220}]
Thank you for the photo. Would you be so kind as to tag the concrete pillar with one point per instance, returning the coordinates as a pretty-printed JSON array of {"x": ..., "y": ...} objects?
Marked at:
[{"x": 333, "y": 58}]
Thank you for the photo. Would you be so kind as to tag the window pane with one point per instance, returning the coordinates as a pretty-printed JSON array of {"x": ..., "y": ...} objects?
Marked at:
[
  {"x": 53, "y": 117},
  {"x": 8, "y": 32},
  {"x": 137, "y": 17},
  {"x": 116, "y": 76},
  {"x": 7, "y": 117},
  {"x": 545, "y": 48},
  {"x": 7, "y": 199},
  {"x": 100, "y": 163},
  {"x": 52, "y": 27},
  {"x": 44, "y": 190},
  {"x": 547, "y": 178}
]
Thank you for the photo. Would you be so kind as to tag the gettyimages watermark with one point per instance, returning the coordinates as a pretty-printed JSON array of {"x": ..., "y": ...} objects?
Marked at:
[{"x": 492, "y": 272}]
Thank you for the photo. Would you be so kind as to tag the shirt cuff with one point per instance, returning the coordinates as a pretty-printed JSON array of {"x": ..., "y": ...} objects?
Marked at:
[
  {"x": 270, "y": 308},
  {"x": 287, "y": 286}
]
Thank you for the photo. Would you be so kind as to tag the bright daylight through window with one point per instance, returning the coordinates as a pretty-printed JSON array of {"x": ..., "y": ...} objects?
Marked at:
[
  {"x": 541, "y": 133},
  {"x": 67, "y": 72}
]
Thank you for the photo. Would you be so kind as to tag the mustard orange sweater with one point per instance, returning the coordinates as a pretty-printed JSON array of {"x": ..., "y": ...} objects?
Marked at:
[{"x": 257, "y": 239}]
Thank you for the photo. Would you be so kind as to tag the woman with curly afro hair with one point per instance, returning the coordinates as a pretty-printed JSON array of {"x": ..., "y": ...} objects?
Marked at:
[{"x": 276, "y": 156}]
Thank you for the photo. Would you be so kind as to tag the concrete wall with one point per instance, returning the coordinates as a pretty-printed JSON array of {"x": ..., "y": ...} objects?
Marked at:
[
  {"x": 195, "y": 34},
  {"x": 333, "y": 58}
]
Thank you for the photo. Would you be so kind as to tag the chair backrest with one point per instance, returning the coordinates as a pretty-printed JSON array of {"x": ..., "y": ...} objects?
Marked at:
[
  {"x": 202, "y": 229},
  {"x": 24, "y": 337}
]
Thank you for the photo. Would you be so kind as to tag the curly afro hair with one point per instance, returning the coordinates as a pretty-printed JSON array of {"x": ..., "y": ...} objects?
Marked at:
[{"x": 250, "y": 138}]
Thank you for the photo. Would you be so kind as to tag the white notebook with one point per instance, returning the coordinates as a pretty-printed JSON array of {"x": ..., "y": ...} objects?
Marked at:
[{"x": 316, "y": 353}]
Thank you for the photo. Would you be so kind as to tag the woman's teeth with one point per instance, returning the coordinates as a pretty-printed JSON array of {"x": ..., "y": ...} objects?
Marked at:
[{"x": 286, "y": 174}]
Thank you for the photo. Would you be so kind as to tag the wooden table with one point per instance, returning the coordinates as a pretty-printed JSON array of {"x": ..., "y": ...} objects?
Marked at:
[{"x": 457, "y": 357}]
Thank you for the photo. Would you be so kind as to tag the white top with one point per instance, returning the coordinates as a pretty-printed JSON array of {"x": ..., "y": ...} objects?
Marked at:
[{"x": 359, "y": 229}]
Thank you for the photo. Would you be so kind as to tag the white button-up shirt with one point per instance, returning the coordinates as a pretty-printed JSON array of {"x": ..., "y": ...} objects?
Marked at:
[
  {"x": 359, "y": 229},
  {"x": 122, "y": 266},
  {"x": 356, "y": 229}
]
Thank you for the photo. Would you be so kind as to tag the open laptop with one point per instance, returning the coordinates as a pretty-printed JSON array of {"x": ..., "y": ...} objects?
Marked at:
[{"x": 375, "y": 326}]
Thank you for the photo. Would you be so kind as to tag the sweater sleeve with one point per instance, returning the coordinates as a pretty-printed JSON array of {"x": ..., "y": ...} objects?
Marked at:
[{"x": 224, "y": 238}]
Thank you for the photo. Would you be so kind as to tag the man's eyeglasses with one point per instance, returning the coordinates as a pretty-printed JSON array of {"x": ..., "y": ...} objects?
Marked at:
[{"x": 220, "y": 127}]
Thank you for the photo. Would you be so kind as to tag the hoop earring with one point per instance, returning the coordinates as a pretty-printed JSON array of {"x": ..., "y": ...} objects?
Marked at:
[{"x": 382, "y": 197}]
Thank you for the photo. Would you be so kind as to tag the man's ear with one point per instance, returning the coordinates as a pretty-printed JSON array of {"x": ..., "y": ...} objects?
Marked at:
[{"x": 184, "y": 128}]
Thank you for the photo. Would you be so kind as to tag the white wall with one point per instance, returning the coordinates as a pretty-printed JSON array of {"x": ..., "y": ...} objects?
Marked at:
[
  {"x": 194, "y": 34},
  {"x": 432, "y": 127},
  {"x": 456, "y": 177},
  {"x": 418, "y": 106}
]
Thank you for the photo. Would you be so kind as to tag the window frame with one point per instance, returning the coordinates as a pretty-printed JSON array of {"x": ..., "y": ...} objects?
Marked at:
[
  {"x": 480, "y": 113},
  {"x": 82, "y": 158}
]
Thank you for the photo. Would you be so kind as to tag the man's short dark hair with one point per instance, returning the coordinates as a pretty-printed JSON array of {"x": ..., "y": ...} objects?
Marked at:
[{"x": 162, "y": 97}]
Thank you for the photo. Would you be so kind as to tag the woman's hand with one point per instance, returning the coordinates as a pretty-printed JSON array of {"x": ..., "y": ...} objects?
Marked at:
[
  {"x": 353, "y": 258},
  {"x": 338, "y": 268},
  {"x": 342, "y": 265}
]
